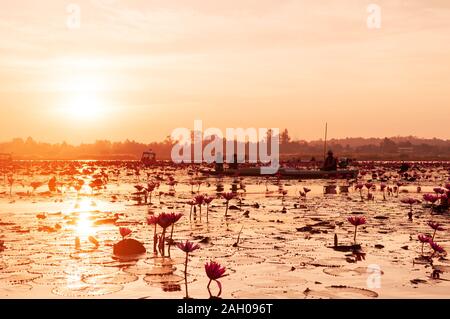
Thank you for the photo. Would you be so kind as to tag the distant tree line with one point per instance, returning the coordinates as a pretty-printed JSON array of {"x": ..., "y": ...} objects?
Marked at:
[{"x": 394, "y": 148}]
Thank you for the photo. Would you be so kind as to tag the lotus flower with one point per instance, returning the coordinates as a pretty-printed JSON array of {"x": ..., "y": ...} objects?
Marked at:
[
  {"x": 432, "y": 198},
  {"x": 208, "y": 200},
  {"x": 192, "y": 204},
  {"x": 188, "y": 248},
  {"x": 437, "y": 249},
  {"x": 175, "y": 217},
  {"x": 124, "y": 232},
  {"x": 410, "y": 201},
  {"x": 424, "y": 239},
  {"x": 200, "y": 200},
  {"x": 360, "y": 187},
  {"x": 153, "y": 220},
  {"x": 228, "y": 197},
  {"x": 215, "y": 271},
  {"x": 356, "y": 221},
  {"x": 150, "y": 189},
  {"x": 164, "y": 221},
  {"x": 436, "y": 227}
]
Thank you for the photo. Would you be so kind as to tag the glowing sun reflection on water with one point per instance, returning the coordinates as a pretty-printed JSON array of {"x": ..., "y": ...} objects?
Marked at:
[{"x": 84, "y": 227}]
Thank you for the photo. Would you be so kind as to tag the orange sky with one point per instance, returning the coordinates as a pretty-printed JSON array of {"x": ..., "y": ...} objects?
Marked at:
[{"x": 138, "y": 69}]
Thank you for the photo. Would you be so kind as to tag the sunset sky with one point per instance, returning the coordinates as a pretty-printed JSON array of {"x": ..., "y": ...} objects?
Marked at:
[{"x": 138, "y": 69}]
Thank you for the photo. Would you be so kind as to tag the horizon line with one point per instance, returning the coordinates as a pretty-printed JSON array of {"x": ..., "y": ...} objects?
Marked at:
[{"x": 293, "y": 139}]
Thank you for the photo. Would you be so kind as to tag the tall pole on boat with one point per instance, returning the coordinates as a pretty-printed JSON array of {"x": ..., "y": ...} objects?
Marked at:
[{"x": 325, "y": 144}]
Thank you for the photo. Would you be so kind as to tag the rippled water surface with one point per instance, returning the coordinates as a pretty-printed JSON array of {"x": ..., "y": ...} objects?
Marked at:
[{"x": 285, "y": 247}]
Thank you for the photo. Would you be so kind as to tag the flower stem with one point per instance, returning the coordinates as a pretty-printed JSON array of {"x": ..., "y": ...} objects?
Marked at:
[
  {"x": 171, "y": 237},
  {"x": 185, "y": 274},
  {"x": 155, "y": 242}
]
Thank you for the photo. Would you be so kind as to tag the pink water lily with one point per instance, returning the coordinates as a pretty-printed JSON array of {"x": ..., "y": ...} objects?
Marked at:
[
  {"x": 150, "y": 188},
  {"x": 187, "y": 247},
  {"x": 439, "y": 190},
  {"x": 436, "y": 227},
  {"x": 215, "y": 271},
  {"x": 432, "y": 198},
  {"x": 191, "y": 203},
  {"x": 152, "y": 220},
  {"x": 124, "y": 232},
  {"x": 360, "y": 187},
  {"x": 410, "y": 201},
  {"x": 227, "y": 197},
  {"x": 369, "y": 185},
  {"x": 356, "y": 221},
  {"x": 437, "y": 249},
  {"x": 164, "y": 221},
  {"x": 208, "y": 200},
  {"x": 200, "y": 200},
  {"x": 424, "y": 239}
]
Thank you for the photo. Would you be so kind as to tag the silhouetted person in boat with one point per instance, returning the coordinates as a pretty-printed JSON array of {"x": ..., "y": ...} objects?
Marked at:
[
  {"x": 234, "y": 164},
  {"x": 331, "y": 162},
  {"x": 404, "y": 167},
  {"x": 343, "y": 164}
]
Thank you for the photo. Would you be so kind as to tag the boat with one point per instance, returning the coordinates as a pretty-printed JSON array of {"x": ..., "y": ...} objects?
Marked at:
[{"x": 287, "y": 173}]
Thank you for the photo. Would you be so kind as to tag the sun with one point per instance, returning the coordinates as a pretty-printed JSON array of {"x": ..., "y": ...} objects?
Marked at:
[
  {"x": 85, "y": 106},
  {"x": 83, "y": 97}
]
